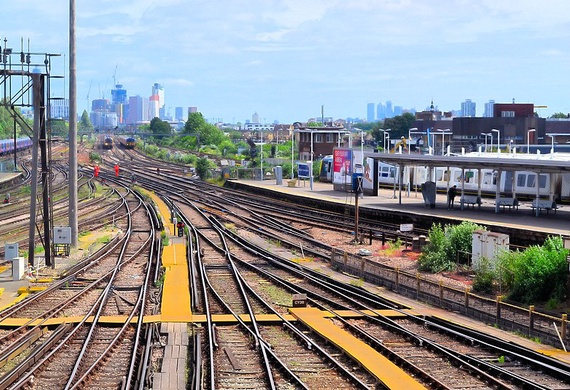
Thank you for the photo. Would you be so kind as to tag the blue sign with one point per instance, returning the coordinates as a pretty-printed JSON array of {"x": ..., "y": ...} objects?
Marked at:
[{"x": 303, "y": 170}]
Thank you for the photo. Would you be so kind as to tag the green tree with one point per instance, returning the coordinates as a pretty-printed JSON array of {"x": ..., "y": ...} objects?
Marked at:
[
  {"x": 7, "y": 123},
  {"x": 85, "y": 123},
  {"x": 202, "y": 167},
  {"x": 59, "y": 127},
  {"x": 206, "y": 133},
  {"x": 560, "y": 115},
  {"x": 159, "y": 127},
  {"x": 400, "y": 125}
]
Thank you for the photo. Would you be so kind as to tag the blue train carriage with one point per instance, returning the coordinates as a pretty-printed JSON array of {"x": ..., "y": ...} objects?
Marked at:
[{"x": 7, "y": 145}]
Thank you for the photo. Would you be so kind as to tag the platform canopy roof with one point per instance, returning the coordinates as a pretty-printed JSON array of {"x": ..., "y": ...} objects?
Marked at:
[{"x": 543, "y": 163}]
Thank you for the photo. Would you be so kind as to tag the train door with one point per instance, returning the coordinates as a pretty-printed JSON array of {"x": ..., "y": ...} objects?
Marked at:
[{"x": 507, "y": 182}]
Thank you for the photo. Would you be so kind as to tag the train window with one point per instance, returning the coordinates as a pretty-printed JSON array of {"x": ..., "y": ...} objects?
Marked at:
[
  {"x": 456, "y": 176},
  {"x": 487, "y": 177},
  {"x": 531, "y": 180},
  {"x": 439, "y": 174},
  {"x": 521, "y": 179},
  {"x": 384, "y": 171},
  {"x": 469, "y": 176}
]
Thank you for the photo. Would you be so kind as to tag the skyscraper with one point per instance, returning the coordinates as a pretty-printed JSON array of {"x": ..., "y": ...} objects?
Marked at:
[
  {"x": 489, "y": 109},
  {"x": 179, "y": 114},
  {"x": 380, "y": 111},
  {"x": 158, "y": 90},
  {"x": 138, "y": 110},
  {"x": 468, "y": 109},
  {"x": 389, "y": 111},
  {"x": 370, "y": 112}
]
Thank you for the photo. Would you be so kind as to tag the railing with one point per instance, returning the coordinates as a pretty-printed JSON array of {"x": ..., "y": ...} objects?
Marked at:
[{"x": 525, "y": 321}]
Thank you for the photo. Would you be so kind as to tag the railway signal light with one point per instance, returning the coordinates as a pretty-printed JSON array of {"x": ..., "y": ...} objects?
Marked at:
[{"x": 180, "y": 226}]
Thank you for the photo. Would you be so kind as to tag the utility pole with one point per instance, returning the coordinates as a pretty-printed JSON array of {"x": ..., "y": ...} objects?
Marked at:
[{"x": 72, "y": 210}]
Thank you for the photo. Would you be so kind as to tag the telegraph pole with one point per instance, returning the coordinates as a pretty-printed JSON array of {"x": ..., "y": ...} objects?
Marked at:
[{"x": 72, "y": 211}]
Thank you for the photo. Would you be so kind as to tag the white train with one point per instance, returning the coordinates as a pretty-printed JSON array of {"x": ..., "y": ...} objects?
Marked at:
[{"x": 513, "y": 183}]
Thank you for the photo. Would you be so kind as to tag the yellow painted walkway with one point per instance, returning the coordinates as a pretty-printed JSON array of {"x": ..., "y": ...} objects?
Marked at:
[
  {"x": 175, "y": 305},
  {"x": 383, "y": 369}
]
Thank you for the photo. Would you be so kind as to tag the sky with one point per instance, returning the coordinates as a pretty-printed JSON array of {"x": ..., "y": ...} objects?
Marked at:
[{"x": 288, "y": 59}]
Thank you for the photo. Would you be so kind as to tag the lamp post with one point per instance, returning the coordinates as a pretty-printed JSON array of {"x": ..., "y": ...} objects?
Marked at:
[
  {"x": 552, "y": 138},
  {"x": 362, "y": 149},
  {"x": 292, "y": 152},
  {"x": 528, "y": 140},
  {"x": 443, "y": 131},
  {"x": 410, "y": 138},
  {"x": 261, "y": 154},
  {"x": 486, "y": 135},
  {"x": 386, "y": 136},
  {"x": 498, "y": 139}
]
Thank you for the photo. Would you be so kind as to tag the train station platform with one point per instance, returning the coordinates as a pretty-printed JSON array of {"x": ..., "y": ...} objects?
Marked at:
[
  {"x": 8, "y": 177},
  {"x": 523, "y": 217}
]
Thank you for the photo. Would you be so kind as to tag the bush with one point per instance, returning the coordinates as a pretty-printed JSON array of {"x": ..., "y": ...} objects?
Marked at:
[
  {"x": 434, "y": 257},
  {"x": 539, "y": 273},
  {"x": 461, "y": 240},
  {"x": 484, "y": 277},
  {"x": 444, "y": 246}
]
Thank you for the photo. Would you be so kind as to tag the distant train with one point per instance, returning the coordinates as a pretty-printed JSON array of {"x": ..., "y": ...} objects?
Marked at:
[
  {"x": 108, "y": 143},
  {"x": 521, "y": 183},
  {"x": 127, "y": 142},
  {"x": 7, "y": 145}
]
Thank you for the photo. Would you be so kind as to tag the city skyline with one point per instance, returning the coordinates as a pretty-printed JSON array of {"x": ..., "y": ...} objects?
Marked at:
[{"x": 287, "y": 59}]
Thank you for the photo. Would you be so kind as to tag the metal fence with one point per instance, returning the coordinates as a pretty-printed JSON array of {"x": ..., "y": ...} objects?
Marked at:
[{"x": 548, "y": 329}]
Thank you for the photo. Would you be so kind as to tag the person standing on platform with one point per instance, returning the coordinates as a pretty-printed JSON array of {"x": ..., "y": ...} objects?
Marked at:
[{"x": 451, "y": 197}]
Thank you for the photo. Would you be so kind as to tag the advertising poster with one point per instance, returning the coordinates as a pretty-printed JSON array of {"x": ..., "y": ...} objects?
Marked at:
[
  {"x": 348, "y": 161},
  {"x": 342, "y": 166}
]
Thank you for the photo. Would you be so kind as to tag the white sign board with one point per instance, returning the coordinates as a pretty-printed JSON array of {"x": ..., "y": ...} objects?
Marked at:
[
  {"x": 62, "y": 235},
  {"x": 406, "y": 227}
]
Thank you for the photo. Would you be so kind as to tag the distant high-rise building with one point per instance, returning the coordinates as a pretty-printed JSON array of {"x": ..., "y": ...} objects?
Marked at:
[
  {"x": 118, "y": 102},
  {"x": 154, "y": 107},
  {"x": 138, "y": 110},
  {"x": 192, "y": 110},
  {"x": 489, "y": 108},
  {"x": 380, "y": 111},
  {"x": 119, "y": 95},
  {"x": 179, "y": 114},
  {"x": 158, "y": 90},
  {"x": 389, "y": 110},
  {"x": 255, "y": 118},
  {"x": 398, "y": 110},
  {"x": 59, "y": 109},
  {"x": 370, "y": 117},
  {"x": 468, "y": 109}
]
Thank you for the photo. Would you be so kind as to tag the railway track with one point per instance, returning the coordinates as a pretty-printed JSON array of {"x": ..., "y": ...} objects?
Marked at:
[
  {"x": 454, "y": 368},
  {"x": 246, "y": 265},
  {"x": 88, "y": 353}
]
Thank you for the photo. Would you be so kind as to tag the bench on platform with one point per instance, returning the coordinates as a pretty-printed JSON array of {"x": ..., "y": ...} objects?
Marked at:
[
  {"x": 544, "y": 204},
  {"x": 508, "y": 202},
  {"x": 471, "y": 200}
]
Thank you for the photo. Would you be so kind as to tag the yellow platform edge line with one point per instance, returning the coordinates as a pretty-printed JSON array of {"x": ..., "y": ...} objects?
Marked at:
[{"x": 375, "y": 363}]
